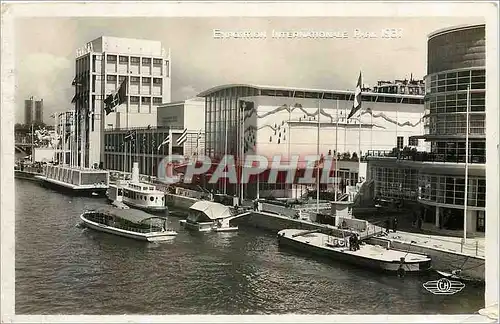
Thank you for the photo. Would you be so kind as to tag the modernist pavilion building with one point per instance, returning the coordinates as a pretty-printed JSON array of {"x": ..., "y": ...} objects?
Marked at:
[
  {"x": 456, "y": 60},
  {"x": 246, "y": 119}
]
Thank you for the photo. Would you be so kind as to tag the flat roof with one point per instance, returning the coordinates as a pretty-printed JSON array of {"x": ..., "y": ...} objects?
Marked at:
[
  {"x": 454, "y": 29},
  {"x": 282, "y": 88}
]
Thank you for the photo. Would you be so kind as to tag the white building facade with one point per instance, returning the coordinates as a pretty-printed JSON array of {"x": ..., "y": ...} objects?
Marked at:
[
  {"x": 284, "y": 121},
  {"x": 188, "y": 114},
  {"x": 101, "y": 67}
]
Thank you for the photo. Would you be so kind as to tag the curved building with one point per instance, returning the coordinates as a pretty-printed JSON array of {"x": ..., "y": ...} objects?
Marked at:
[
  {"x": 436, "y": 179},
  {"x": 456, "y": 61}
]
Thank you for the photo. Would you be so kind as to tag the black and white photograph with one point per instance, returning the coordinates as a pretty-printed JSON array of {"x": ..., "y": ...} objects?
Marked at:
[{"x": 243, "y": 162}]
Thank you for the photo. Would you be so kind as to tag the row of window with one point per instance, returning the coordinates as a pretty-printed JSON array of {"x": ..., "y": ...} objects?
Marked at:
[
  {"x": 121, "y": 78},
  {"x": 133, "y": 59},
  {"x": 454, "y": 81},
  {"x": 453, "y": 124},
  {"x": 134, "y": 195},
  {"x": 455, "y": 102},
  {"x": 451, "y": 190}
]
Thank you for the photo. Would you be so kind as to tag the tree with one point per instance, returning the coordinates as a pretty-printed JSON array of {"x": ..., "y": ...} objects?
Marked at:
[
  {"x": 346, "y": 156},
  {"x": 354, "y": 156}
]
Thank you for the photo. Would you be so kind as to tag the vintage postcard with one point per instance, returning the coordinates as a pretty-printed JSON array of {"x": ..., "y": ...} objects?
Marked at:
[{"x": 227, "y": 162}]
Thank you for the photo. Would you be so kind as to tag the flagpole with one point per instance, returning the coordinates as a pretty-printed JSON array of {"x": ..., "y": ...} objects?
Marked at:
[
  {"x": 336, "y": 151},
  {"x": 225, "y": 149},
  {"x": 359, "y": 147},
  {"x": 317, "y": 154},
  {"x": 288, "y": 148},
  {"x": 466, "y": 167}
]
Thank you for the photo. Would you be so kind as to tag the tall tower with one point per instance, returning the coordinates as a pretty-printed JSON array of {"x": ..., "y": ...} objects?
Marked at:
[
  {"x": 100, "y": 68},
  {"x": 28, "y": 111},
  {"x": 39, "y": 111}
]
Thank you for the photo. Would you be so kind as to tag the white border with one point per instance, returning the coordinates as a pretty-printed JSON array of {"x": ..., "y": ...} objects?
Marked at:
[{"x": 488, "y": 10}]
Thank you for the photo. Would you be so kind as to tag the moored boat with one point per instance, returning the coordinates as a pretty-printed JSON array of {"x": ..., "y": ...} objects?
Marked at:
[
  {"x": 208, "y": 216},
  {"x": 130, "y": 223},
  {"x": 137, "y": 194},
  {"x": 75, "y": 180},
  {"x": 366, "y": 255}
]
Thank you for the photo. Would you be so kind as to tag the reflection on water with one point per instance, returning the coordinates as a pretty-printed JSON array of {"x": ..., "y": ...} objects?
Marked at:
[{"x": 63, "y": 268}]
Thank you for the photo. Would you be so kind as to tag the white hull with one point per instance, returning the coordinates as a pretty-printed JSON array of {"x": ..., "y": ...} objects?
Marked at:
[
  {"x": 149, "y": 237},
  {"x": 206, "y": 227},
  {"x": 368, "y": 256},
  {"x": 153, "y": 208}
]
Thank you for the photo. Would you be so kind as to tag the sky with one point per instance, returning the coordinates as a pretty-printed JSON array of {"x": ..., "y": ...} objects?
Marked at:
[{"x": 45, "y": 52}]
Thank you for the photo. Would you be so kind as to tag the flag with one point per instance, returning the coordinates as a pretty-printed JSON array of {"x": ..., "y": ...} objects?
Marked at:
[
  {"x": 357, "y": 98},
  {"x": 117, "y": 98},
  {"x": 183, "y": 137},
  {"x": 165, "y": 141},
  {"x": 77, "y": 81},
  {"x": 199, "y": 135},
  {"x": 129, "y": 137}
]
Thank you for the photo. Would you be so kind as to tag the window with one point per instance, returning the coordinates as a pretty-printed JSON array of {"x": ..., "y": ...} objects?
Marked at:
[
  {"x": 157, "y": 61},
  {"x": 134, "y": 79},
  {"x": 146, "y": 60},
  {"x": 480, "y": 221},
  {"x": 134, "y": 59},
  {"x": 400, "y": 142},
  {"x": 111, "y": 78},
  {"x": 146, "y": 80},
  {"x": 167, "y": 65},
  {"x": 157, "y": 100},
  {"x": 157, "y": 80},
  {"x": 412, "y": 141},
  {"x": 111, "y": 58},
  {"x": 134, "y": 99},
  {"x": 123, "y": 59},
  {"x": 121, "y": 78},
  {"x": 146, "y": 100}
]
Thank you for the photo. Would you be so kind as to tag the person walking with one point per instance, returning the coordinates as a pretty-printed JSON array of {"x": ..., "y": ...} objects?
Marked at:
[{"x": 395, "y": 224}]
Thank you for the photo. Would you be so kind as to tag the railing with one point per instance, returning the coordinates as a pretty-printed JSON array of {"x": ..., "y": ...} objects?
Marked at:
[
  {"x": 143, "y": 128},
  {"x": 427, "y": 157}
]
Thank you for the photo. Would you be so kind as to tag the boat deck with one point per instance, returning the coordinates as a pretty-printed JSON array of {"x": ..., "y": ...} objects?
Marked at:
[{"x": 369, "y": 251}]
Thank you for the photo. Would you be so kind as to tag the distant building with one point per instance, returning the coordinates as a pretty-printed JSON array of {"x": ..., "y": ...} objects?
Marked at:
[
  {"x": 33, "y": 111},
  {"x": 101, "y": 67},
  {"x": 28, "y": 111},
  {"x": 39, "y": 111}
]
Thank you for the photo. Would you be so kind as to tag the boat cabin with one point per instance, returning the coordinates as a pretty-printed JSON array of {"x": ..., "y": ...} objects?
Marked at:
[
  {"x": 207, "y": 215},
  {"x": 79, "y": 177},
  {"x": 127, "y": 219}
]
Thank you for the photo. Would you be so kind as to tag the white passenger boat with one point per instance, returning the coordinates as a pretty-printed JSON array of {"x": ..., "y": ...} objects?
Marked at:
[
  {"x": 131, "y": 223},
  {"x": 137, "y": 194},
  {"x": 75, "y": 180},
  {"x": 369, "y": 256},
  {"x": 208, "y": 216}
]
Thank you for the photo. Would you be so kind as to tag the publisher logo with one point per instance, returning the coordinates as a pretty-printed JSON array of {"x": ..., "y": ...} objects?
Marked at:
[{"x": 444, "y": 286}]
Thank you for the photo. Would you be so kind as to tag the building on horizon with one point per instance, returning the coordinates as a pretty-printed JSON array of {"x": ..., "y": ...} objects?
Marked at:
[
  {"x": 28, "y": 111},
  {"x": 435, "y": 181},
  {"x": 188, "y": 114},
  {"x": 284, "y": 121},
  {"x": 100, "y": 68},
  {"x": 38, "y": 111},
  {"x": 33, "y": 111}
]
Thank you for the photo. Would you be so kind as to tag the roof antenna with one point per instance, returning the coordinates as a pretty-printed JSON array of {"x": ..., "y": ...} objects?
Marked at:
[{"x": 411, "y": 77}]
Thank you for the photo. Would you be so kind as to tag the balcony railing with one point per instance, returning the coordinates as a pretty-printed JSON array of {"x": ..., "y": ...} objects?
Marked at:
[{"x": 412, "y": 155}]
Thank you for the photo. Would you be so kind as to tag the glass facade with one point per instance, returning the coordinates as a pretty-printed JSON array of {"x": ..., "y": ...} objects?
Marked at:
[
  {"x": 456, "y": 61},
  {"x": 395, "y": 183},
  {"x": 119, "y": 154},
  {"x": 450, "y": 190}
]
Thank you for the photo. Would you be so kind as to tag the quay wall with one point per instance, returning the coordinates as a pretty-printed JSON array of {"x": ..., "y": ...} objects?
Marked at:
[
  {"x": 178, "y": 201},
  {"x": 275, "y": 223},
  {"x": 441, "y": 259}
]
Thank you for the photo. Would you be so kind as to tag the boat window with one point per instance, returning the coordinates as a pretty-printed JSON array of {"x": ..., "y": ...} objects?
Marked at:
[
  {"x": 151, "y": 198},
  {"x": 162, "y": 198}
]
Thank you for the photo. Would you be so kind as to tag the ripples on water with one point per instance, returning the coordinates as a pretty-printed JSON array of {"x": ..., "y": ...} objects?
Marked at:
[{"x": 62, "y": 268}]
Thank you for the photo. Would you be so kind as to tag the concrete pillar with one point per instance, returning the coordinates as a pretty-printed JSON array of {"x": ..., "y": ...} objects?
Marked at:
[
  {"x": 437, "y": 216},
  {"x": 471, "y": 221}
]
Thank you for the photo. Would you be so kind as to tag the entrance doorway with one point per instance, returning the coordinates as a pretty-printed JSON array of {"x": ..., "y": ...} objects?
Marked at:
[{"x": 480, "y": 224}]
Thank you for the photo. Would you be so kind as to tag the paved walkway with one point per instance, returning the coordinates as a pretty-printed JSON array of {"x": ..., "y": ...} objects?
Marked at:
[{"x": 472, "y": 247}]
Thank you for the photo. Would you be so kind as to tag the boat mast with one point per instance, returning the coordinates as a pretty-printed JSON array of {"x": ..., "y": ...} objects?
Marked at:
[
  {"x": 336, "y": 151},
  {"x": 317, "y": 154}
]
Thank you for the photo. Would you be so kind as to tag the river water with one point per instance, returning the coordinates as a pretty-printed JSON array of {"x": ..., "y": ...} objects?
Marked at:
[{"x": 62, "y": 268}]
